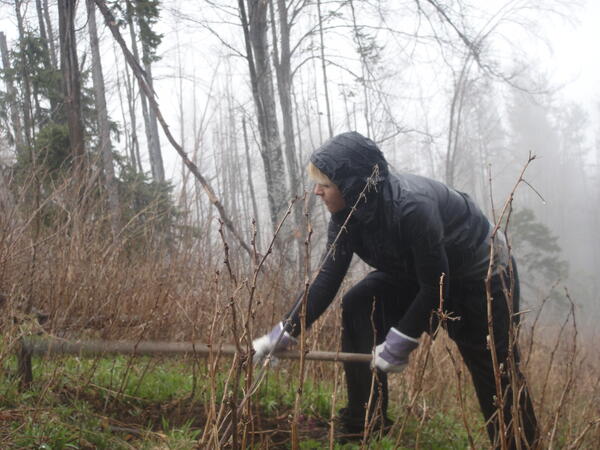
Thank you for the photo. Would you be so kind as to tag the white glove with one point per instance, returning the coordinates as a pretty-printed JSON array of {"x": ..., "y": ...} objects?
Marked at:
[
  {"x": 266, "y": 344},
  {"x": 392, "y": 355}
]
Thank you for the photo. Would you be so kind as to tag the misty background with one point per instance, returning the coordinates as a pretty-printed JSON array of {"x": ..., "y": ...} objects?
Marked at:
[{"x": 460, "y": 91}]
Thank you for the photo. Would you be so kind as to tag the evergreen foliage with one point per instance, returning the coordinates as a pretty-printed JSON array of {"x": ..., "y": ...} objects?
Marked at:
[
  {"x": 45, "y": 80},
  {"x": 147, "y": 205},
  {"x": 146, "y": 13},
  {"x": 51, "y": 149},
  {"x": 537, "y": 250}
]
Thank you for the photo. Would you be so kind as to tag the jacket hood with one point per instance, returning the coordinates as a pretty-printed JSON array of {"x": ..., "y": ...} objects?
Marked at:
[{"x": 349, "y": 160}]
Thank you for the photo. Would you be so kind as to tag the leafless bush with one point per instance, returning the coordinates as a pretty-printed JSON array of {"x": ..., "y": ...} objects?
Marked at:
[{"x": 93, "y": 285}]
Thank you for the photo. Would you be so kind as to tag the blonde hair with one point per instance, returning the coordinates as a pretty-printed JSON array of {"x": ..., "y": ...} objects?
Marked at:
[{"x": 315, "y": 174}]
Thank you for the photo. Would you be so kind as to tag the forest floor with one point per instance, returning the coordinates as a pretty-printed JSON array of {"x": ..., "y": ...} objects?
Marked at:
[{"x": 126, "y": 403}]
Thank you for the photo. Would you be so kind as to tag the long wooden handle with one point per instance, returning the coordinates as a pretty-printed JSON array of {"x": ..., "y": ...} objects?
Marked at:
[{"x": 91, "y": 348}]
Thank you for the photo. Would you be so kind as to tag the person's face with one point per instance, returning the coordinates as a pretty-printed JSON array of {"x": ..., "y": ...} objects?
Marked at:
[{"x": 331, "y": 196}]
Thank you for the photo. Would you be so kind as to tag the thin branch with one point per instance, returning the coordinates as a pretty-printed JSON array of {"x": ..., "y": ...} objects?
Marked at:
[{"x": 139, "y": 73}]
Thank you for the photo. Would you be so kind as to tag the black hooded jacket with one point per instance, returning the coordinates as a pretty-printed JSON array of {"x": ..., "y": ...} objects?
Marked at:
[{"x": 403, "y": 224}]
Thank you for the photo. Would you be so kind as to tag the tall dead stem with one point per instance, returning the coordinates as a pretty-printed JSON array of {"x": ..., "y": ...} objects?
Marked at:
[
  {"x": 303, "y": 343},
  {"x": 260, "y": 375},
  {"x": 225, "y": 427},
  {"x": 375, "y": 384},
  {"x": 502, "y": 435},
  {"x": 566, "y": 391}
]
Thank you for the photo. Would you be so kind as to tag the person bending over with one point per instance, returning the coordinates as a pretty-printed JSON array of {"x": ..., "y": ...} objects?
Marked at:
[{"x": 414, "y": 232}]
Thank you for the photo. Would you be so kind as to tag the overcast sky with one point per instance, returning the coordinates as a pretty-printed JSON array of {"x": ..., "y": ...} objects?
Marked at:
[{"x": 575, "y": 58}]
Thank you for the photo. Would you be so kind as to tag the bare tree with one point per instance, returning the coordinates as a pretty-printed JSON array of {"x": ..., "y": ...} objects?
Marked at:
[
  {"x": 130, "y": 94},
  {"x": 156, "y": 163},
  {"x": 154, "y": 139},
  {"x": 282, "y": 56},
  {"x": 257, "y": 53},
  {"x": 47, "y": 55},
  {"x": 324, "y": 69},
  {"x": 104, "y": 144},
  {"x": 138, "y": 72},
  {"x": 455, "y": 119},
  {"x": 71, "y": 81},
  {"x": 49, "y": 32}
]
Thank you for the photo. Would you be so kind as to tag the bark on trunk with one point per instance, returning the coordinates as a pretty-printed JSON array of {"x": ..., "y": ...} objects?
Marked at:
[
  {"x": 50, "y": 34},
  {"x": 456, "y": 107},
  {"x": 136, "y": 55},
  {"x": 136, "y": 160},
  {"x": 49, "y": 64},
  {"x": 255, "y": 34},
  {"x": 27, "y": 111},
  {"x": 43, "y": 35},
  {"x": 71, "y": 83},
  {"x": 283, "y": 71},
  {"x": 154, "y": 144},
  {"x": 105, "y": 147},
  {"x": 156, "y": 163}
]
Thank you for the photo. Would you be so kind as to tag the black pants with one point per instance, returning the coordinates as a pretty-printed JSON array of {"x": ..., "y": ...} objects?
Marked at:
[{"x": 377, "y": 303}]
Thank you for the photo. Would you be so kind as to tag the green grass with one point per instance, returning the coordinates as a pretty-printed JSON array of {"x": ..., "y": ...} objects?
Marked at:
[
  {"x": 72, "y": 402},
  {"x": 278, "y": 391},
  {"x": 76, "y": 403},
  {"x": 60, "y": 427}
]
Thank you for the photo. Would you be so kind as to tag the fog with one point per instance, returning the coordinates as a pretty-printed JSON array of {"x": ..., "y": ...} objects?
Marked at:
[{"x": 464, "y": 94}]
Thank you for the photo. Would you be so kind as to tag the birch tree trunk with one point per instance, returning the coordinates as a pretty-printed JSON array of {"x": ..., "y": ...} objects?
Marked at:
[
  {"x": 255, "y": 34},
  {"x": 154, "y": 150},
  {"x": 104, "y": 131},
  {"x": 156, "y": 165},
  {"x": 282, "y": 61}
]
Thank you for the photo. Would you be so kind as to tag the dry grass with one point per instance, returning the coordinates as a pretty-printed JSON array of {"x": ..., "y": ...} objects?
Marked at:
[{"x": 142, "y": 286}]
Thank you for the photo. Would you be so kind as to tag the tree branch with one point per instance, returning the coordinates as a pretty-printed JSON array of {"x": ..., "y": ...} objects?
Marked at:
[{"x": 139, "y": 73}]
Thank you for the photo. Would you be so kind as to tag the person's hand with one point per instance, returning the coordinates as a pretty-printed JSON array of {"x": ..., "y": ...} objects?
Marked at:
[
  {"x": 392, "y": 355},
  {"x": 268, "y": 343}
]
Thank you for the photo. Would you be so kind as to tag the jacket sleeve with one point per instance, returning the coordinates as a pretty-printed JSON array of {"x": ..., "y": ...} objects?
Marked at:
[
  {"x": 326, "y": 284},
  {"x": 425, "y": 234}
]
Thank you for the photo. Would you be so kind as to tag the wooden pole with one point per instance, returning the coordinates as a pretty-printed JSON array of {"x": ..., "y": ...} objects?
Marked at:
[
  {"x": 24, "y": 366},
  {"x": 91, "y": 348}
]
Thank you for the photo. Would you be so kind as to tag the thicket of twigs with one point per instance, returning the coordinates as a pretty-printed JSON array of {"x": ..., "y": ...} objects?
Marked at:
[{"x": 152, "y": 284}]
